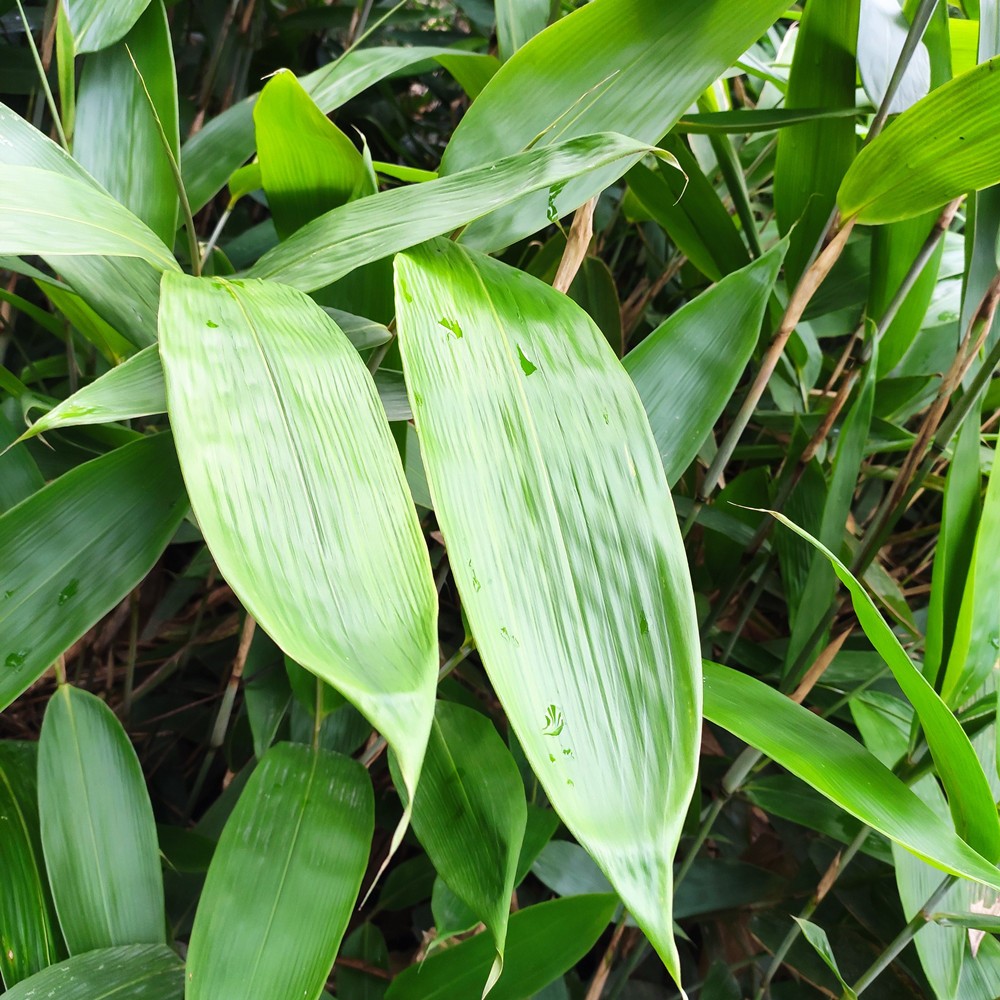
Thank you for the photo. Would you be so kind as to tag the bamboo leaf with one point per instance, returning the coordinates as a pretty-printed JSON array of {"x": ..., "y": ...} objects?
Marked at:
[
  {"x": 518, "y": 21},
  {"x": 28, "y": 941},
  {"x": 543, "y": 942},
  {"x": 98, "y": 831},
  {"x": 307, "y": 165},
  {"x": 634, "y": 66},
  {"x": 368, "y": 230},
  {"x": 881, "y": 35},
  {"x": 839, "y": 767},
  {"x": 687, "y": 368},
  {"x": 470, "y": 816},
  {"x": 299, "y": 836},
  {"x": 135, "y": 972},
  {"x": 19, "y": 475},
  {"x": 816, "y": 936},
  {"x": 506, "y": 377},
  {"x": 73, "y": 218},
  {"x": 72, "y": 551},
  {"x": 97, "y": 24},
  {"x": 969, "y": 796},
  {"x": 944, "y": 146},
  {"x": 113, "y": 115},
  {"x": 297, "y": 486}
]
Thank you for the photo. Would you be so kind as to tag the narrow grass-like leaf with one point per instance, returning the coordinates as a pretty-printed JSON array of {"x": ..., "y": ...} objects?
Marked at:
[
  {"x": 838, "y": 766},
  {"x": 28, "y": 940},
  {"x": 132, "y": 389},
  {"x": 969, "y": 796},
  {"x": 578, "y": 595},
  {"x": 73, "y": 218},
  {"x": 211, "y": 155},
  {"x": 370, "y": 229},
  {"x": 98, "y": 831},
  {"x": 813, "y": 157},
  {"x": 307, "y": 165},
  {"x": 629, "y": 65},
  {"x": 72, "y": 551},
  {"x": 687, "y": 368},
  {"x": 543, "y": 942},
  {"x": 284, "y": 879},
  {"x": 942, "y": 147},
  {"x": 135, "y": 972},
  {"x": 470, "y": 816},
  {"x": 297, "y": 486},
  {"x": 123, "y": 290},
  {"x": 96, "y": 24},
  {"x": 113, "y": 116},
  {"x": 816, "y": 936},
  {"x": 757, "y": 120}
]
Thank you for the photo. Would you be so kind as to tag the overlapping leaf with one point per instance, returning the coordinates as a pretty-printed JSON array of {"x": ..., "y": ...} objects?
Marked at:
[{"x": 577, "y": 591}]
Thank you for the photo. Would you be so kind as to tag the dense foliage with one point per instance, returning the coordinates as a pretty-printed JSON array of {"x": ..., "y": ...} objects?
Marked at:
[{"x": 498, "y": 498}]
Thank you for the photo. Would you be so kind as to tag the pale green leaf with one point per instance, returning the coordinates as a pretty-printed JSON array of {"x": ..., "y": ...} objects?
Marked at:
[
  {"x": 578, "y": 595},
  {"x": 97, "y": 24}
]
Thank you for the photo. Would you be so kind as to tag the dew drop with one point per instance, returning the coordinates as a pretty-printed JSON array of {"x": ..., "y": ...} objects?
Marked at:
[
  {"x": 68, "y": 592},
  {"x": 16, "y": 659}
]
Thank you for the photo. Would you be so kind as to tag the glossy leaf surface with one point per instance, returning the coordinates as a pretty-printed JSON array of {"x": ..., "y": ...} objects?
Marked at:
[
  {"x": 297, "y": 487},
  {"x": 97, "y": 824},
  {"x": 72, "y": 551},
  {"x": 286, "y": 873},
  {"x": 585, "y": 625}
]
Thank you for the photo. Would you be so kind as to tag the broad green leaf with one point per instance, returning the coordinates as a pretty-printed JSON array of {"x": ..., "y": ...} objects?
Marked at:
[
  {"x": 688, "y": 208},
  {"x": 816, "y": 936},
  {"x": 284, "y": 879},
  {"x": 687, "y": 369},
  {"x": 28, "y": 941},
  {"x": 370, "y": 229},
  {"x": 363, "y": 333},
  {"x": 518, "y": 21},
  {"x": 123, "y": 290},
  {"x": 296, "y": 483},
  {"x": 96, "y": 24},
  {"x": 543, "y": 942},
  {"x": 115, "y": 128},
  {"x": 19, "y": 475},
  {"x": 211, "y": 156},
  {"x": 825, "y": 757},
  {"x": 813, "y": 157},
  {"x": 72, "y": 551},
  {"x": 98, "y": 831},
  {"x": 629, "y": 65},
  {"x": 757, "y": 120},
  {"x": 307, "y": 165},
  {"x": 111, "y": 344},
  {"x": 969, "y": 796},
  {"x": 133, "y": 972},
  {"x": 942, "y": 147},
  {"x": 470, "y": 816},
  {"x": 132, "y": 389},
  {"x": 976, "y": 644},
  {"x": 507, "y": 377},
  {"x": 73, "y": 218}
]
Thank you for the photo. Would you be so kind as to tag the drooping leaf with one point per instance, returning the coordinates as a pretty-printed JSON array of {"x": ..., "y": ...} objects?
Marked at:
[
  {"x": 284, "y": 879},
  {"x": 97, "y": 24},
  {"x": 113, "y": 115},
  {"x": 470, "y": 815},
  {"x": 98, "y": 831},
  {"x": 687, "y": 368},
  {"x": 813, "y": 157},
  {"x": 817, "y": 937},
  {"x": 211, "y": 155},
  {"x": 297, "y": 487},
  {"x": 131, "y": 389},
  {"x": 367, "y": 230},
  {"x": 73, "y": 218},
  {"x": 584, "y": 618},
  {"x": 942, "y": 147},
  {"x": 543, "y": 942},
  {"x": 969, "y": 797},
  {"x": 28, "y": 939},
  {"x": 307, "y": 165},
  {"x": 629, "y": 65},
  {"x": 70, "y": 552},
  {"x": 838, "y": 766}
]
